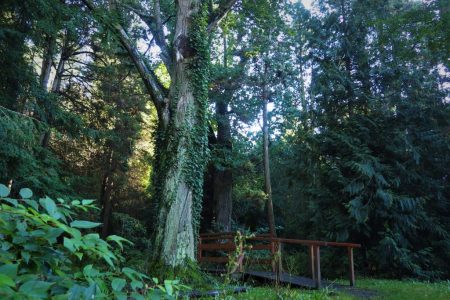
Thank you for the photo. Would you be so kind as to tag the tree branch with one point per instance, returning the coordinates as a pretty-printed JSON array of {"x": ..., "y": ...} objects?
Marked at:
[
  {"x": 155, "y": 25},
  {"x": 220, "y": 13},
  {"x": 151, "y": 82}
]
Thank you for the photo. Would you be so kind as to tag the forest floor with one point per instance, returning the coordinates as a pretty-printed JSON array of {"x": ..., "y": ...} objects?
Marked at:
[{"x": 384, "y": 289}]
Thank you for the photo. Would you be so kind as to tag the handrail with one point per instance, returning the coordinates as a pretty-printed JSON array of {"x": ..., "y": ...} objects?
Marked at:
[
  {"x": 275, "y": 242},
  {"x": 307, "y": 242}
]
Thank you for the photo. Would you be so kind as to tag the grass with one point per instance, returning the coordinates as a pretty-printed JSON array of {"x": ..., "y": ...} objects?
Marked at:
[{"x": 386, "y": 289}]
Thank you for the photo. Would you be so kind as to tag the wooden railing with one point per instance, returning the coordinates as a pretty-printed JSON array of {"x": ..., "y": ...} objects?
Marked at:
[{"x": 224, "y": 242}]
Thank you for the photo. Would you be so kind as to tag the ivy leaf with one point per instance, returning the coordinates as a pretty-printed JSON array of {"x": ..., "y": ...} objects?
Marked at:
[
  {"x": 84, "y": 224},
  {"x": 4, "y": 190},
  {"x": 35, "y": 288},
  {"x": 118, "y": 284},
  {"x": 25, "y": 193}
]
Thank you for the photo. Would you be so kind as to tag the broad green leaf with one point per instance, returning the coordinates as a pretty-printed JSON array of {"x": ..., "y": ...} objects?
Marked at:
[
  {"x": 4, "y": 190},
  {"x": 137, "y": 296},
  {"x": 169, "y": 287},
  {"x": 6, "y": 280},
  {"x": 76, "y": 292},
  {"x": 87, "y": 201},
  {"x": 35, "y": 288},
  {"x": 9, "y": 270},
  {"x": 14, "y": 202},
  {"x": 50, "y": 207},
  {"x": 90, "y": 271},
  {"x": 136, "y": 285},
  {"x": 120, "y": 296},
  {"x": 118, "y": 240},
  {"x": 25, "y": 193},
  {"x": 84, "y": 224},
  {"x": 118, "y": 284},
  {"x": 26, "y": 256},
  {"x": 68, "y": 243},
  {"x": 32, "y": 203},
  {"x": 75, "y": 202},
  {"x": 90, "y": 292}
]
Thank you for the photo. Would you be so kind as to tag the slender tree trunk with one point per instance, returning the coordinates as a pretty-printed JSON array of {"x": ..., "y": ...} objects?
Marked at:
[
  {"x": 106, "y": 195},
  {"x": 267, "y": 182},
  {"x": 47, "y": 61}
]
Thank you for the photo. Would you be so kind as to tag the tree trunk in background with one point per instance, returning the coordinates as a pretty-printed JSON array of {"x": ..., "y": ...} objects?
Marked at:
[
  {"x": 105, "y": 195},
  {"x": 267, "y": 182},
  {"x": 47, "y": 61},
  {"x": 223, "y": 177}
]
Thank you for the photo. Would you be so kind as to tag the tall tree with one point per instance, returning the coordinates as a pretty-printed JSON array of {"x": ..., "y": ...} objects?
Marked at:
[{"x": 181, "y": 146}]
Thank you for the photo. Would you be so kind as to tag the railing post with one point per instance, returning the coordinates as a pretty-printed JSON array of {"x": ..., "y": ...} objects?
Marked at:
[
  {"x": 273, "y": 253},
  {"x": 351, "y": 266},
  {"x": 311, "y": 262},
  {"x": 317, "y": 266}
]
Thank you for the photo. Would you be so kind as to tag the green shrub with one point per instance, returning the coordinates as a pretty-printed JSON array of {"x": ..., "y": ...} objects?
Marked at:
[{"x": 46, "y": 253}]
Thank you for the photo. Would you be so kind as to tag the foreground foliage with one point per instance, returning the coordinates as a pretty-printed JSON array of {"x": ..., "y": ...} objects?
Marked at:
[{"x": 45, "y": 252}]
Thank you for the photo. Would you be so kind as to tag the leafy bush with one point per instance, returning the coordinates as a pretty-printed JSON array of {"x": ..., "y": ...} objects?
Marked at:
[{"x": 46, "y": 253}]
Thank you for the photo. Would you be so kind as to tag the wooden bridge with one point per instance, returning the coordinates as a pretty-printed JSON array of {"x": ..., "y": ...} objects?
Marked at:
[{"x": 212, "y": 248}]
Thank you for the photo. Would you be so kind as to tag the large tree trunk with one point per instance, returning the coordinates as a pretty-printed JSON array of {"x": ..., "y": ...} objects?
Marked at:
[{"x": 182, "y": 141}]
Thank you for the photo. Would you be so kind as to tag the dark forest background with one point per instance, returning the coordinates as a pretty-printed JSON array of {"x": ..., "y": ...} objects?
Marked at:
[{"x": 356, "y": 95}]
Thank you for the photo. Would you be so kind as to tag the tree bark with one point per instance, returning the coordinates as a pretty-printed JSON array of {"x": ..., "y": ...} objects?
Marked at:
[{"x": 182, "y": 143}]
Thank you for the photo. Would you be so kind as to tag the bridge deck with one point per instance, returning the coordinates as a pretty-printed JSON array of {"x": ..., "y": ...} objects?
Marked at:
[{"x": 301, "y": 282}]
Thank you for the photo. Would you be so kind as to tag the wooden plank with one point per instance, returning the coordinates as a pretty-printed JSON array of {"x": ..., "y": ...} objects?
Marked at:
[{"x": 351, "y": 266}]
